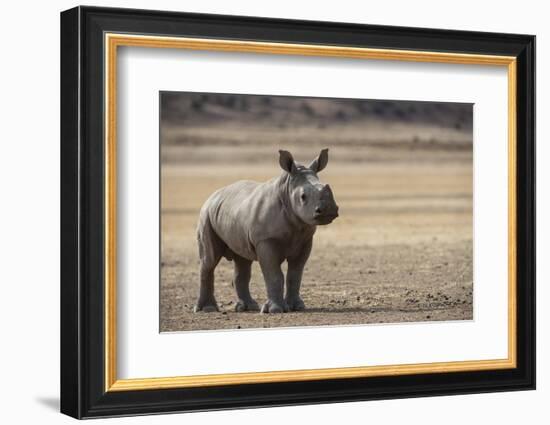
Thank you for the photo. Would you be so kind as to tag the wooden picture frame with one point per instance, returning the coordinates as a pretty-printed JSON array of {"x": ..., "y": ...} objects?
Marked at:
[{"x": 90, "y": 38}]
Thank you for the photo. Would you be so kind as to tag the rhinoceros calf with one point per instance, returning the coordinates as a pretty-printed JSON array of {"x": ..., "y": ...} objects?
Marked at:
[{"x": 269, "y": 222}]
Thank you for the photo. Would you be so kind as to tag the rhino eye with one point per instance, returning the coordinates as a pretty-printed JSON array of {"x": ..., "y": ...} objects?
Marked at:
[{"x": 303, "y": 197}]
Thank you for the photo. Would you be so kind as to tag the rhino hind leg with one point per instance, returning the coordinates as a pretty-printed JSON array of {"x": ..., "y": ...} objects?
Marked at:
[
  {"x": 241, "y": 283},
  {"x": 206, "y": 302},
  {"x": 211, "y": 249}
]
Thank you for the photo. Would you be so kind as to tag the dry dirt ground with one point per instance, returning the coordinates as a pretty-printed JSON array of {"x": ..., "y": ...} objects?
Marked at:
[{"x": 400, "y": 251}]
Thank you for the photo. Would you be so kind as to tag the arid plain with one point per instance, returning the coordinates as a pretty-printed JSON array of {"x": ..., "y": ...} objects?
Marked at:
[{"x": 401, "y": 249}]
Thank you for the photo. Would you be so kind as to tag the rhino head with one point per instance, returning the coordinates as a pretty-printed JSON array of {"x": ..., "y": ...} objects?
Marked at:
[{"x": 312, "y": 201}]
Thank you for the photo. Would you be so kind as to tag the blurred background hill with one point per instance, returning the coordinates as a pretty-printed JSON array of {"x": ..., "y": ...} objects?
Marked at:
[{"x": 202, "y": 126}]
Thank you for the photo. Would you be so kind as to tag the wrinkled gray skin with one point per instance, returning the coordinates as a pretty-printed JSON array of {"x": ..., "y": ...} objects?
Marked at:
[{"x": 269, "y": 222}]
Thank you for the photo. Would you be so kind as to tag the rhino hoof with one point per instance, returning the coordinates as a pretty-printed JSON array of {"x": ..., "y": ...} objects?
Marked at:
[
  {"x": 296, "y": 304},
  {"x": 273, "y": 307},
  {"x": 246, "y": 306},
  {"x": 207, "y": 308}
]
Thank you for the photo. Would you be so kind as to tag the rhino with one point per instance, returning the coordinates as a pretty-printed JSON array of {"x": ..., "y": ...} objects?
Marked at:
[{"x": 268, "y": 222}]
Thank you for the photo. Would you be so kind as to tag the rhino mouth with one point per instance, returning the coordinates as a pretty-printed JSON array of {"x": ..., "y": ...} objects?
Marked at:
[{"x": 325, "y": 218}]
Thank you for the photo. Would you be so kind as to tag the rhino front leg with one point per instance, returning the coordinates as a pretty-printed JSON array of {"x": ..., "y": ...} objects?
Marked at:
[
  {"x": 294, "y": 278},
  {"x": 241, "y": 282},
  {"x": 270, "y": 261}
]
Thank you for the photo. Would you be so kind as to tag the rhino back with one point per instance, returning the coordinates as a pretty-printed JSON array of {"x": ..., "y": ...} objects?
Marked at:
[
  {"x": 246, "y": 213},
  {"x": 232, "y": 211}
]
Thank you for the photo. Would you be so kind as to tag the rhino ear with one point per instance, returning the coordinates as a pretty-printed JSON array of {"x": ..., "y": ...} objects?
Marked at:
[
  {"x": 320, "y": 162},
  {"x": 286, "y": 161}
]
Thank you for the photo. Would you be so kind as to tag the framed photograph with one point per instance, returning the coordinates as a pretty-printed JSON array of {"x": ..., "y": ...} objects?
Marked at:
[{"x": 261, "y": 212}]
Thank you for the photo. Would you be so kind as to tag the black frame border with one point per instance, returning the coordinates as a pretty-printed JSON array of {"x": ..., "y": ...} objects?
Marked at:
[{"x": 82, "y": 218}]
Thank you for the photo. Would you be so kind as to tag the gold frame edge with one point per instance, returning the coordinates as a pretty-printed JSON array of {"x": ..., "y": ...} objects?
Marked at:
[{"x": 113, "y": 41}]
